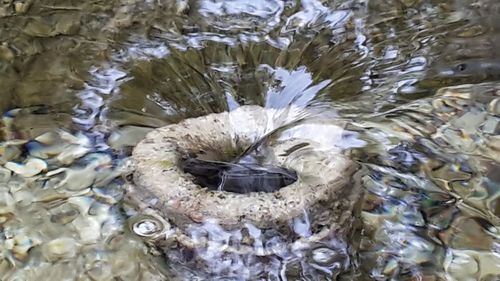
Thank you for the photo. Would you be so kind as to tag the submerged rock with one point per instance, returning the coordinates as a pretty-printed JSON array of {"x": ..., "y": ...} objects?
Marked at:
[
  {"x": 31, "y": 167},
  {"x": 438, "y": 169},
  {"x": 60, "y": 248},
  {"x": 459, "y": 119}
]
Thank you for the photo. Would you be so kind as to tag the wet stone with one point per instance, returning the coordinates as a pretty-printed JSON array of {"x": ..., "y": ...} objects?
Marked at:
[
  {"x": 127, "y": 136},
  {"x": 464, "y": 266},
  {"x": 74, "y": 179},
  {"x": 61, "y": 248},
  {"x": 9, "y": 153},
  {"x": 494, "y": 107},
  {"x": 492, "y": 126},
  {"x": 3, "y": 12},
  {"x": 20, "y": 246},
  {"x": 6, "y": 54},
  {"x": 30, "y": 168},
  {"x": 110, "y": 194},
  {"x": 100, "y": 270},
  {"x": 65, "y": 213},
  {"x": 98, "y": 208},
  {"x": 21, "y": 7},
  {"x": 23, "y": 198},
  {"x": 4, "y": 175}
]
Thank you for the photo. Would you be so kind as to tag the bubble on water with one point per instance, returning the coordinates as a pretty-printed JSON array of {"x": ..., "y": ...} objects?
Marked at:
[
  {"x": 148, "y": 226},
  {"x": 323, "y": 256},
  {"x": 302, "y": 226},
  {"x": 145, "y": 228}
]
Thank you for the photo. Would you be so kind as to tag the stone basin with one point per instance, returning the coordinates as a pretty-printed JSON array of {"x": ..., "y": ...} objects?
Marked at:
[{"x": 324, "y": 196}]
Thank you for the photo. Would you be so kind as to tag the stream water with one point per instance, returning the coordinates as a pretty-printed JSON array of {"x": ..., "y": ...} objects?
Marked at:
[{"x": 418, "y": 81}]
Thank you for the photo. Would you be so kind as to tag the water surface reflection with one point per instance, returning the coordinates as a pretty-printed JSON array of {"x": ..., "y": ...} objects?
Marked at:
[{"x": 82, "y": 83}]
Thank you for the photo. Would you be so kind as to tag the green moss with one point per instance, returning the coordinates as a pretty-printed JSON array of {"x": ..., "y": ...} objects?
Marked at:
[
  {"x": 166, "y": 164},
  {"x": 230, "y": 153}
]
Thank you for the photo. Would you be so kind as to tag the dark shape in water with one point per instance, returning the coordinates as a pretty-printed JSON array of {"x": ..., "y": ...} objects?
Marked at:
[
  {"x": 463, "y": 71},
  {"x": 238, "y": 178}
]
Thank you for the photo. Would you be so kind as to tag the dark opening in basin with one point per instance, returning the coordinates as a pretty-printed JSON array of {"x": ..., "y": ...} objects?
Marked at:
[{"x": 237, "y": 177}]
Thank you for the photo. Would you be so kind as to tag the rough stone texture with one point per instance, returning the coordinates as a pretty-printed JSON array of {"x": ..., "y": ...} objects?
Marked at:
[{"x": 326, "y": 188}]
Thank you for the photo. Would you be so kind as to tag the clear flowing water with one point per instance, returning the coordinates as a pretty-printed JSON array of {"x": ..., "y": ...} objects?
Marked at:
[{"x": 83, "y": 81}]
